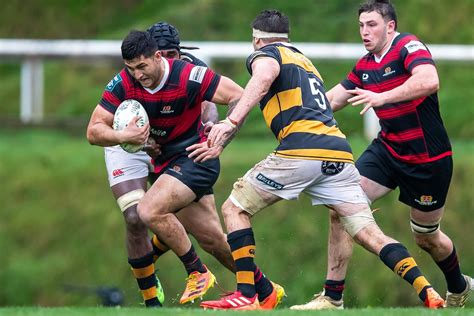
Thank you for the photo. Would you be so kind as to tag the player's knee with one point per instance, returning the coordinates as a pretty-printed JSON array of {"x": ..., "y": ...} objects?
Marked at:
[
  {"x": 144, "y": 213},
  {"x": 228, "y": 208},
  {"x": 244, "y": 197},
  {"x": 427, "y": 242},
  {"x": 425, "y": 233},
  {"x": 133, "y": 221}
]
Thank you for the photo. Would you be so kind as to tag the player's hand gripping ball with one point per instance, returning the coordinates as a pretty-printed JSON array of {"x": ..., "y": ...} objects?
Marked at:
[{"x": 126, "y": 111}]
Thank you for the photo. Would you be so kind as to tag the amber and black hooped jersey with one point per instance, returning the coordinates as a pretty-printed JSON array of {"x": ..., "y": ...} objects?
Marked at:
[
  {"x": 412, "y": 131},
  {"x": 297, "y": 111},
  {"x": 174, "y": 107}
]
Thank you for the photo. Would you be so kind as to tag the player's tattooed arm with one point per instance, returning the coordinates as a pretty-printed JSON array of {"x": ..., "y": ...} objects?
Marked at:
[{"x": 231, "y": 106}]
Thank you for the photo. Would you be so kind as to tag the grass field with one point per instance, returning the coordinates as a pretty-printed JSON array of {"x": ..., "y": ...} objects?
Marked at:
[
  {"x": 71, "y": 311},
  {"x": 60, "y": 226}
]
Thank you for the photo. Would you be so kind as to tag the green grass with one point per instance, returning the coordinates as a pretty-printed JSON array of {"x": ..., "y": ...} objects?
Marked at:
[
  {"x": 71, "y": 311},
  {"x": 60, "y": 226}
]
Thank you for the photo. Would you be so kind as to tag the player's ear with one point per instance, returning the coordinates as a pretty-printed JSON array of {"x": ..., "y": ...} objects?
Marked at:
[
  {"x": 256, "y": 42},
  {"x": 391, "y": 25},
  {"x": 158, "y": 54}
]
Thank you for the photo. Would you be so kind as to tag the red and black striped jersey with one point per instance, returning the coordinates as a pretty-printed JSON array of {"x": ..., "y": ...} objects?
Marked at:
[
  {"x": 297, "y": 111},
  {"x": 174, "y": 107},
  {"x": 412, "y": 131}
]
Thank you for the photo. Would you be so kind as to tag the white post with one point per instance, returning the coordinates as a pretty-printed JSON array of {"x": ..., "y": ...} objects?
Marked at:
[
  {"x": 371, "y": 124},
  {"x": 31, "y": 91}
]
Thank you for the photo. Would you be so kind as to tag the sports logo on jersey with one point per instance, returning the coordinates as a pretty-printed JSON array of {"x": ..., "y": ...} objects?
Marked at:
[
  {"x": 269, "y": 182},
  {"x": 167, "y": 110},
  {"x": 111, "y": 85},
  {"x": 365, "y": 77},
  {"x": 197, "y": 74},
  {"x": 388, "y": 71},
  {"x": 426, "y": 200},
  {"x": 413, "y": 46},
  {"x": 158, "y": 132}
]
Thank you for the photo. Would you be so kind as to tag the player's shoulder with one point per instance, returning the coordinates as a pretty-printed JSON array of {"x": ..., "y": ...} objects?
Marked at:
[
  {"x": 117, "y": 81},
  {"x": 183, "y": 70},
  {"x": 270, "y": 50},
  {"x": 409, "y": 42},
  {"x": 190, "y": 58}
]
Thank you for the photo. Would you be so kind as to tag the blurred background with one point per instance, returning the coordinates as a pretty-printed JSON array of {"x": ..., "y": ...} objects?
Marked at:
[{"x": 61, "y": 232}]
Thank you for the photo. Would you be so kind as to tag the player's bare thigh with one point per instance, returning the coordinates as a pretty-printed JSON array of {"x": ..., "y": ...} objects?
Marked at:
[
  {"x": 427, "y": 217},
  {"x": 121, "y": 188},
  {"x": 166, "y": 195},
  {"x": 372, "y": 189}
]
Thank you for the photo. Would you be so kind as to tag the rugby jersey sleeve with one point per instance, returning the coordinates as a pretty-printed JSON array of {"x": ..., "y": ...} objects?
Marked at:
[
  {"x": 413, "y": 52},
  {"x": 114, "y": 93},
  {"x": 266, "y": 51},
  {"x": 202, "y": 84},
  {"x": 352, "y": 80}
]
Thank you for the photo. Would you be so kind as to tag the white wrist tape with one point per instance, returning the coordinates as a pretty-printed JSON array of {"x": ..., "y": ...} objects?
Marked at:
[{"x": 228, "y": 122}]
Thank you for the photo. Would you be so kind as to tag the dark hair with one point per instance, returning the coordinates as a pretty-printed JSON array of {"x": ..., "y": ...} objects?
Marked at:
[
  {"x": 383, "y": 7},
  {"x": 165, "y": 35},
  {"x": 272, "y": 21},
  {"x": 138, "y": 43}
]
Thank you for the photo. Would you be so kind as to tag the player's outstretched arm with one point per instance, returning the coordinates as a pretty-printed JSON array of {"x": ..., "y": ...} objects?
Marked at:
[
  {"x": 264, "y": 72},
  {"x": 423, "y": 82},
  {"x": 338, "y": 97}
]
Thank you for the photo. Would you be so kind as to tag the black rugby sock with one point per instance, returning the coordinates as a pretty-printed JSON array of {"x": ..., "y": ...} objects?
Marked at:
[
  {"x": 192, "y": 262},
  {"x": 452, "y": 273},
  {"x": 334, "y": 289}
]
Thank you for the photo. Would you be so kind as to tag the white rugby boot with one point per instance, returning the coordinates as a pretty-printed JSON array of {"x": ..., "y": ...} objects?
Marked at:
[{"x": 319, "y": 302}]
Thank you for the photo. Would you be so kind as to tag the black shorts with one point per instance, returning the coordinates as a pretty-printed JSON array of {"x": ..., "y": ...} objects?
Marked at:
[
  {"x": 199, "y": 177},
  {"x": 422, "y": 186}
]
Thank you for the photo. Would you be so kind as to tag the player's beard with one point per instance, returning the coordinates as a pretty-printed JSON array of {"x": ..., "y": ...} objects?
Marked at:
[{"x": 381, "y": 43}]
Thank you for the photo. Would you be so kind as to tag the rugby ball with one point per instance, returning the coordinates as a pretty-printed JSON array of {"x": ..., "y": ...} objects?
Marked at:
[{"x": 126, "y": 111}]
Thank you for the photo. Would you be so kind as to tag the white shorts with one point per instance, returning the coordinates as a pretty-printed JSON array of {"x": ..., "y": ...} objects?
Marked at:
[
  {"x": 325, "y": 182},
  {"x": 122, "y": 166}
]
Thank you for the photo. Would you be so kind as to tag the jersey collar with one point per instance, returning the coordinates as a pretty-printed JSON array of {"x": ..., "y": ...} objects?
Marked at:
[
  {"x": 379, "y": 59},
  {"x": 164, "y": 79}
]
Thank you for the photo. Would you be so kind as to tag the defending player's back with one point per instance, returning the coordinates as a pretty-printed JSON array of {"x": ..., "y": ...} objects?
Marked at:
[{"x": 297, "y": 110}]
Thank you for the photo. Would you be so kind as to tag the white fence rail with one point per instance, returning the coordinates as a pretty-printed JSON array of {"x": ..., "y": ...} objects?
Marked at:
[{"x": 33, "y": 52}]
